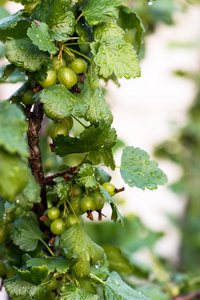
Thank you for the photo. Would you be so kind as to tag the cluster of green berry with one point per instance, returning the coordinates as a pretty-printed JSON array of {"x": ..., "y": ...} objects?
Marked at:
[
  {"x": 80, "y": 203},
  {"x": 68, "y": 75},
  {"x": 63, "y": 73}
]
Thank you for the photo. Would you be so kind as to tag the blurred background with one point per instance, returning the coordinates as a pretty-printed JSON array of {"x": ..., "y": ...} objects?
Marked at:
[{"x": 159, "y": 113}]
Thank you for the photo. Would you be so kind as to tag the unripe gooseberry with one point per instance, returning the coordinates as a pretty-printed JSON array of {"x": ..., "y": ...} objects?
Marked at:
[
  {"x": 110, "y": 188},
  {"x": 67, "y": 77},
  {"x": 79, "y": 65},
  {"x": 51, "y": 78},
  {"x": 57, "y": 129},
  {"x": 58, "y": 63}
]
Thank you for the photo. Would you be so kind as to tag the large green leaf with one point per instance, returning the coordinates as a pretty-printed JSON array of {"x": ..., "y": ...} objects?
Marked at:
[
  {"x": 91, "y": 94},
  {"x": 12, "y": 129},
  {"x": 59, "y": 264},
  {"x": 107, "y": 29},
  {"x": 129, "y": 20},
  {"x": 34, "y": 275},
  {"x": 112, "y": 54},
  {"x": 73, "y": 292},
  {"x": 56, "y": 14},
  {"x": 26, "y": 234},
  {"x": 85, "y": 33},
  {"x": 14, "y": 25},
  {"x": 75, "y": 243},
  {"x": 137, "y": 170},
  {"x": 17, "y": 287},
  {"x": 11, "y": 21},
  {"x": 96, "y": 141},
  {"x": 96, "y": 12},
  {"x": 13, "y": 175},
  {"x": 115, "y": 212},
  {"x": 23, "y": 53},
  {"x": 39, "y": 35},
  {"x": 30, "y": 194},
  {"x": 115, "y": 288},
  {"x": 85, "y": 176},
  {"x": 59, "y": 103}
]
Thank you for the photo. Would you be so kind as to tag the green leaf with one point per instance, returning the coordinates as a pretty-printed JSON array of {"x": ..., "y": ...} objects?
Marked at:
[
  {"x": 23, "y": 53},
  {"x": 30, "y": 194},
  {"x": 9, "y": 69},
  {"x": 91, "y": 94},
  {"x": 112, "y": 54},
  {"x": 115, "y": 288},
  {"x": 59, "y": 264},
  {"x": 2, "y": 207},
  {"x": 102, "y": 271},
  {"x": 34, "y": 275},
  {"x": 115, "y": 212},
  {"x": 56, "y": 14},
  {"x": 40, "y": 37},
  {"x": 13, "y": 175},
  {"x": 12, "y": 128},
  {"x": 96, "y": 12},
  {"x": 123, "y": 263},
  {"x": 26, "y": 234},
  {"x": 62, "y": 189},
  {"x": 11, "y": 21},
  {"x": 59, "y": 103},
  {"x": 137, "y": 170},
  {"x": 101, "y": 175},
  {"x": 85, "y": 176},
  {"x": 85, "y": 33},
  {"x": 129, "y": 20},
  {"x": 63, "y": 28},
  {"x": 14, "y": 25},
  {"x": 154, "y": 292},
  {"x": 107, "y": 29},
  {"x": 96, "y": 141},
  {"x": 76, "y": 244},
  {"x": 73, "y": 292},
  {"x": 17, "y": 287}
]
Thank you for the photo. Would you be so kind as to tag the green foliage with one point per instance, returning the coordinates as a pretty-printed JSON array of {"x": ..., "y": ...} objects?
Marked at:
[
  {"x": 71, "y": 291},
  {"x": 95, "y": 141},
  {"x": 2, "y": 208},
  {"x": 68, "y": 103},
  {"x": 11, "y": 180},
  {"x": 137, "y": 170},
  {"x": 85, "y": 176},
  {"x": 26, "y": 234},
  {"x": 112, "y": 54},
  {"x": 76, "y": 243},
  {"x": 97, "y": 12},
  {"x": 23, "y": 53},
  {"x": 59, "y": 264},
  {"x": 39, "y": 35},
  {"x": 12, "y": 127},
  {"x": 48, "y": 199},
  {"x": 115, "y": 288}
]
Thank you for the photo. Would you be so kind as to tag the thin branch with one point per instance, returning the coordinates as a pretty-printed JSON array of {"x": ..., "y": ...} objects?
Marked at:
[
  {"x": 49, "y": 180},
  {"x": 189, "y": 296}
]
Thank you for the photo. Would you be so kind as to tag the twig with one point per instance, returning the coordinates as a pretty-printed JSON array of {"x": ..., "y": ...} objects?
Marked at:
[
  {"x": 189, "y": 296},
  {"x": 49, "y": 180},
  {"x": 119, "y": 190}
]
